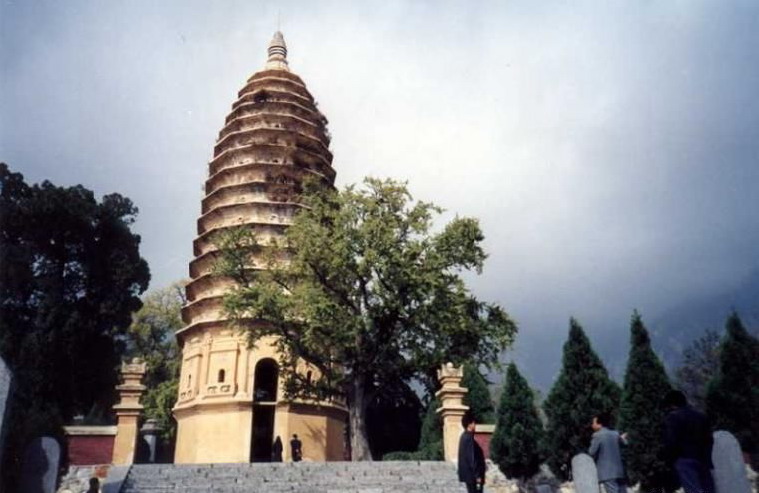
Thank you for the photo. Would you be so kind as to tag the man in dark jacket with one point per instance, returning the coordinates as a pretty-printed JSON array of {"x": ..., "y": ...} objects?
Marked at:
[
  {"x": 471, "y": 458},
  {"x": 688, "y": 444}
]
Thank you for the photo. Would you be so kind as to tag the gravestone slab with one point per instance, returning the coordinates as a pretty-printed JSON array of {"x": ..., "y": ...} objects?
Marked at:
[
  {"x": 585, "y": 474},
  {"x": 729, "y": 468},
  {"x": 6, "y": 379},
  {"x": 39, "y": 472},
  {"x": 544, "y": 488},
  {"x": 149, "y": 435}
]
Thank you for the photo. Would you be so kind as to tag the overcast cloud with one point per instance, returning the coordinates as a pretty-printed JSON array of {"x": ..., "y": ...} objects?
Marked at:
[{"x": 610, "y": 149}]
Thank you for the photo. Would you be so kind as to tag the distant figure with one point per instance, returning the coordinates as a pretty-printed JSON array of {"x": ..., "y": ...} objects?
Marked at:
[
  {"x": 94, "y": 486},
  {"x": 605, "y": 448},
  {"x": 688, "y": 444},
  {"x": 276, "y": 450},
  {"x": 296, "y": 449},
  {"x": 471, "y": 458}
]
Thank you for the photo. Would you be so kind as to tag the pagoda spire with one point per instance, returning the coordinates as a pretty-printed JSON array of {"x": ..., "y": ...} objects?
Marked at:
[{"x": 277, "y": 53}]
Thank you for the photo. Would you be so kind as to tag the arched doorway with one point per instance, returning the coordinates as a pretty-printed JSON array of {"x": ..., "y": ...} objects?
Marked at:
[{"x": 265, "y": 380}]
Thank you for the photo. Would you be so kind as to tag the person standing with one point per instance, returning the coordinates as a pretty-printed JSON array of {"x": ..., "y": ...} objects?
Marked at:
[
  {"x": 688, "y": 444},
  {"x": 471, "y": 459},
  {"x": 296, "y": 449},
  {"x": 605, "y": 448},
  {"x": 94, "y": 486},
  {"x": 276, "y": 450}
]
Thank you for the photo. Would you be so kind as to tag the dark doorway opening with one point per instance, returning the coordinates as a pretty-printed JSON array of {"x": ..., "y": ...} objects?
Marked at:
[
  {"x": 263, "y": 433},
  {"x": 265, "y": 381},
  {"x": 264, "y": 404}
]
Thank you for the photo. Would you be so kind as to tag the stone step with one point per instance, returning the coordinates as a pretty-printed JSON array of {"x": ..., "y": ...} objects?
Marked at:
[{"x": 302, "y": 477}]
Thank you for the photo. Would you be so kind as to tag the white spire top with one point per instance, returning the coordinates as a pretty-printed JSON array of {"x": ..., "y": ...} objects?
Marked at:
[{"x": 277, "y": 53}]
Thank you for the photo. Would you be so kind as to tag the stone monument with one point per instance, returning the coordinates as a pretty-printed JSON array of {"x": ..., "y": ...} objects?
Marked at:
[
  {"x": 729, "y": 468},
  {"x": 452, "y": 408},
  {"x": 39, "y": 470},
  {"x": 150, "y": 431},
  {"x": 6, "y": 380},
  {"x": 585, "y": 474}
]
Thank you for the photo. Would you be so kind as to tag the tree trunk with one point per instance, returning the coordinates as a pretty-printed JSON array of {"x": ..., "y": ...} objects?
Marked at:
[{"x": 358, "y": 404}]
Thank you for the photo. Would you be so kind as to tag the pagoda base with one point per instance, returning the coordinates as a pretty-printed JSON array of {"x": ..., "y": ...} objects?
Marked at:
[{"x": 223, "y": 433}]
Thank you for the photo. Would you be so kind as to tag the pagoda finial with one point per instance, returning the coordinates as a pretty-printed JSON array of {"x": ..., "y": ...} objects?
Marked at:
[{"x": 277, "y": 53}]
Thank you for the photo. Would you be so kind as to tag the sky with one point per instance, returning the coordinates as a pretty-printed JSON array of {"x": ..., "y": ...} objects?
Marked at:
[{"x": 609, "y": 149}]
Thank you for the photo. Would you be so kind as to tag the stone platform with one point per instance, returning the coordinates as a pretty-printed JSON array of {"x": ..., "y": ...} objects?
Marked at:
[{"x": 302, "y": 477}]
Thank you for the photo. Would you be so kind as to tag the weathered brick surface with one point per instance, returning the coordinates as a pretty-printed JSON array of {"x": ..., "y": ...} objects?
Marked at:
[{"x": 86, "y": 450}]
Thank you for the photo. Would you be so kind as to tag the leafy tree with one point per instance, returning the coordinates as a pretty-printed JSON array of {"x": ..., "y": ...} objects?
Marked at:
[
  {"x": 700, "y": 364},
  {"x": 151, "y": 337},
  {"x": 516, "y": 443},
  {"x": 732, "y": 398},
  {"x": 70, "y": 277},
  {"x": 393, "y": 420},
  {"x": 478, "y": 396},
  {"x": 582, "y": 389},
  {"x": 641, "y": 412},
  {"x": 369, "y": 296}
]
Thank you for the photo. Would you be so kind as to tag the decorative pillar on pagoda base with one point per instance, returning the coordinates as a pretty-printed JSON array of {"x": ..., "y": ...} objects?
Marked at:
[
  {"x": 452, "y": 408},
  {"x": 128, "y": 411}
]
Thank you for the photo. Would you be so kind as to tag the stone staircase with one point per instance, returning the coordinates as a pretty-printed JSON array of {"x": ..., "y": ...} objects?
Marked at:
[{"x": 301, "y": 477}]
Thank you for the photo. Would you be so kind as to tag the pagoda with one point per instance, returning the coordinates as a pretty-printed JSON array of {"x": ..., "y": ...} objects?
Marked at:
[{"x": 230, "y": 405}]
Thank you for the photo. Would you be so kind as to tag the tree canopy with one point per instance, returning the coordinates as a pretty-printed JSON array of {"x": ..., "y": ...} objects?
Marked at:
[
  {"x": 369, "y": 295},
  {"x": 732, "y": 399},
  {"x": 699, "y": 365},
  {"x": 431, "y": 435},
  {"x": 70, "y": 278},
  {"x": 430, "y": 446},
  {"x": 582, "y": 389},
  {"x": 478, "y": 396},
  {"x": 393, "y": 420},
  {"x": 641, "y": 412},
  {"x": 151, "y": 337}
]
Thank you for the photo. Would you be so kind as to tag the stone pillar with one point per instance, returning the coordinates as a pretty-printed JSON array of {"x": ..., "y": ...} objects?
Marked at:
[
  {"x": 451, "y": 408},
  {"x": 128, "y": 411}
]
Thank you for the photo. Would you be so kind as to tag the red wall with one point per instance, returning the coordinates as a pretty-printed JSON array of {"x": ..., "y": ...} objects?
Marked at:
[
  {"x": 483, "y": 439},
  {"x": 86, "y": 450}
]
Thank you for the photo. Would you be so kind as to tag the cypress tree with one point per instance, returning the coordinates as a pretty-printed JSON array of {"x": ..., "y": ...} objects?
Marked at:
[
  {"x": 582, "y": 389},
  {"x": 431, "y": 436},
  {"x": 516, "y": 443},
  {"x": 478, "y": 396},
  {"x": 732, "y": 399},
  {"x": 641, "y": 413}
]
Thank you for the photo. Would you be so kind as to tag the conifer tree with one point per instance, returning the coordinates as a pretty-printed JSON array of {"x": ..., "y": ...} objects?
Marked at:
[
  {"x": 641, "y": 413},
  {"x": 732, "y": 399},
  {"x": 478, "y": 396},
  {"x": 516, "y": 443},
  {"x": 582, "y": 389},
  {"x": 431, "y": 437}
]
